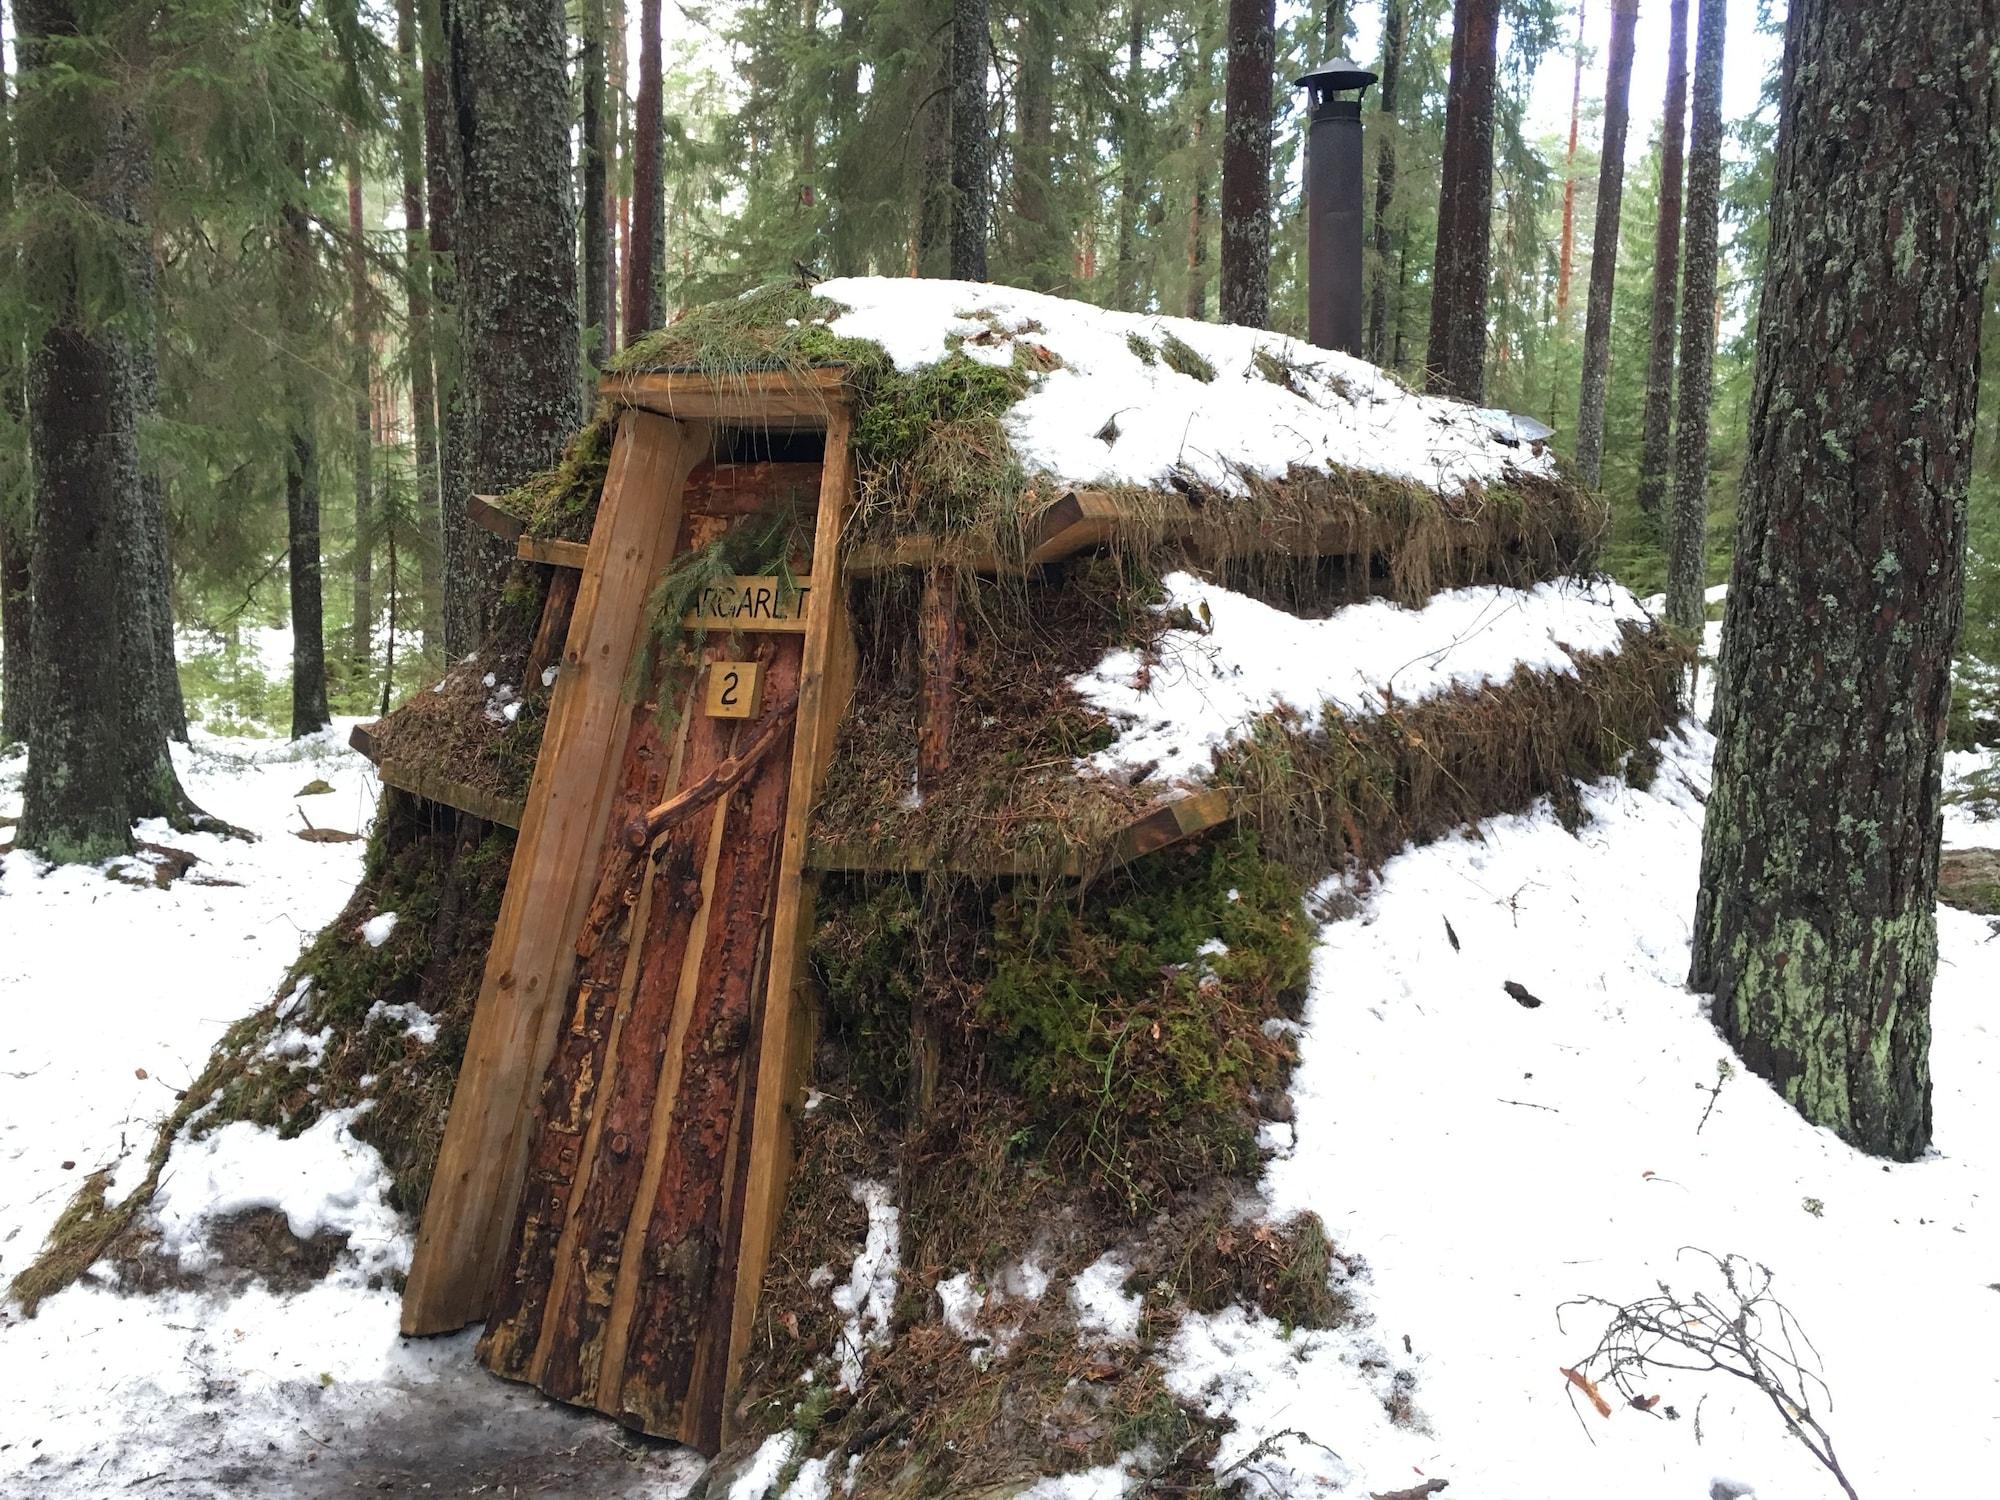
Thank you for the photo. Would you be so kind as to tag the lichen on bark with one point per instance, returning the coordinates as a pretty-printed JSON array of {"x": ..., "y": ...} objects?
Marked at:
[{"x": 1815, "y": 925}]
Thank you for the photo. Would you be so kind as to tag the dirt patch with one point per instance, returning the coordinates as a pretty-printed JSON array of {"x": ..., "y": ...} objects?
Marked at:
[{"x": 1969, "y": 879}]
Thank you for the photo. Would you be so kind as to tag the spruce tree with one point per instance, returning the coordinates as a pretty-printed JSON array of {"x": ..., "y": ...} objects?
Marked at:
[
  {"x": 970, "y": 189},
  {"x": 1395, "y": 28},
  {"x": 1815, "y": 926}
]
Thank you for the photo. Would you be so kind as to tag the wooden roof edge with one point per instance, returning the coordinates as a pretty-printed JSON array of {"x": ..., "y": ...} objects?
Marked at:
[{"x": 777, "y": 398}]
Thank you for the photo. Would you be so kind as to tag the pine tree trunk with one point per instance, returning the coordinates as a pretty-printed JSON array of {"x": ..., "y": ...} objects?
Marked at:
[
  {"x": 1455, "y": 363},
  {"x": 1655, "y": 451},
  {"x": 361, "y": 379},
  {"x": 1336, "y": 28},
  {"x": 1395, "y": 26},
  {"x": 82, "y": 408},
  {"x": 645, "y": 260},
  {"x": 417, "y": 292},
  {"x": 1131, "y": 148},
  {"x": 1687, "y": 526},
  {"x": 1246, "y": 164},
  {"x": 154, "y": 710},
  {"x": 517, "y": 262},
  {"x": 970, "y": 189},
  {"x": 596, "y": 256},
  {"x": 1566, "y": 258},
  {"x": 618, "y": 167},
  {"x": 1039, "y": 242},
  {"x": 1816, "y": 921},
  {"x": 1604, "y": 247}
]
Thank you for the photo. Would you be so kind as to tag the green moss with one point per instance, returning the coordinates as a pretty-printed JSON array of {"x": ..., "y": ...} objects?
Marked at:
[
  {"x": 562, "y": 503},
  {"x": 1139, "y": 1054},
  {"x": 1184, "y": 358},
  {"x": 781, "y": 326}
]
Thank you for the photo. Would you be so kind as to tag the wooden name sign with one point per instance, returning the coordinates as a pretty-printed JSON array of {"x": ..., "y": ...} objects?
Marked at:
[{"x": 766, "y": 603}]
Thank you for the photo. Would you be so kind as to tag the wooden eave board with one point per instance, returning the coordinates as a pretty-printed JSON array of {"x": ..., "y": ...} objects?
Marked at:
[{"x": 784, "y": 399}]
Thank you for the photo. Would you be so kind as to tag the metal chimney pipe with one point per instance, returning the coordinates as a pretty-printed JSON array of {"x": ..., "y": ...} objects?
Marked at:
[{"x": 1334, "y": 177}]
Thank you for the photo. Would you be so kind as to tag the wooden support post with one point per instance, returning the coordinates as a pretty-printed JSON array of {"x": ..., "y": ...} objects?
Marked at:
[
  {"x": 467, "y": 1221},
  {"x": 776, "y": 1099},
  {"x": 939, "y": 635}
]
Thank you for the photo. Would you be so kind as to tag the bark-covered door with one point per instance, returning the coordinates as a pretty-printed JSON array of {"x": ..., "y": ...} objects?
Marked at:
[{"x": 623, "y": 1279}]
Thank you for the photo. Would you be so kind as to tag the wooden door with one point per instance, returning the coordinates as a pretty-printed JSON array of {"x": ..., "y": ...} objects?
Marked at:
[{"x": 662, "y": 1136}]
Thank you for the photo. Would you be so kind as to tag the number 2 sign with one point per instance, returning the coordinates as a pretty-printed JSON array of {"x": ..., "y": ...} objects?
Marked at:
[{"x": 735, "y": 689}]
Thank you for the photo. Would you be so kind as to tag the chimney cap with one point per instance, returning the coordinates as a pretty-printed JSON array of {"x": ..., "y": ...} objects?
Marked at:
[{"x": 1338, "y": 76}]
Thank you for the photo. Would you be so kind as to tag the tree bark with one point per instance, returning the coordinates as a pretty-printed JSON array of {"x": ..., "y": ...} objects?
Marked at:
[
  {"x": 1604, "y": 247},
  {"x": 1655, "y": 449},
  {"x": 645, "y": 260},
  {"x": 1336, "y": 28},
  {"x": 436, "y": 21},
  {"x": 1395, "y": 27},
  {"x": 1246, "y": 164},
  {"x": 82, "y": 405},
  {"x": 517, "y": 257},
  {"x": 970, "y": 189},
  {"x": 1455, "y": 363},
  {"x": 1195, "y": 303},
  {"x": 417, "y": 293},
  {"x": 1815, "y": 925},
  {"x": 618, "y": 164},
  {"x": 1687, "y": 528},
  {"x": 1566, "y": 259},
  {"x": 592, "y": 127},
  {"x": 1131, "y": 151},
  {"x": 16, "y": 506},
  {"x": 361, "y": 380}
]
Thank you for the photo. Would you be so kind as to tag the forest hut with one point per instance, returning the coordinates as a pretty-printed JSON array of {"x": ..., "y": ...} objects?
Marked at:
[{"x": 860, "y": 638}]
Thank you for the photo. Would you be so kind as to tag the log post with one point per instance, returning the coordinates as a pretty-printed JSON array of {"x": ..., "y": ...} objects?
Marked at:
[{"x": 939, "y": 636}]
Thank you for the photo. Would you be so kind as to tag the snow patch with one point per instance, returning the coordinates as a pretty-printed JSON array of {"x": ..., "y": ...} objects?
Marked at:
[
  {"x": 869, "y": 1294},
  {"x": 376, "y": 930},
  {"x": 1103, "y": 1310},
  {"x": 323, "y": 1180},
  {"x": 1199, "y": 688},
  {"x": 414, "y": 1019}
]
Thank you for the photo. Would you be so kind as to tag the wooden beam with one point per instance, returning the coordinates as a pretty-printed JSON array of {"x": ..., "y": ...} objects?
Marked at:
[
  {"x": 550, "y": 550},
  {"x": 775, "y": 1101},
  {"x": 428, "y": 783},
  {"x": 939, "y": 636},
  {"x": 470, "y": 1213},
  {"x": 768, "y": 398},
  {"x": 748, "y": 489},
  {"x": 489, "y": 514}
]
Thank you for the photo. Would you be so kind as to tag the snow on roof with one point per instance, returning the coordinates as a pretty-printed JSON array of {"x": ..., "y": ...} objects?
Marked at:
[
  {"x": 1351, "y": 414},
  {"x": 1199, "y": 689}
]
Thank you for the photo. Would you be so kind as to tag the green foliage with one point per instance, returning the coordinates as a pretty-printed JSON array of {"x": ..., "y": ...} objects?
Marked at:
[{"x": 1180, "y": 356}]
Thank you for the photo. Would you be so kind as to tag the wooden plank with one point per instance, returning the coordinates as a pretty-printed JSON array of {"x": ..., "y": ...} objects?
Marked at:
[
  {"x": 751, "y": 602},
  {"x": 554, "y": 552},
  {"x": 1082, "y": 519},
  {"x": 553, "y": 629},
  {"x": 767, "y": 398},
  {"x": 769, "y": 1142},
  {"x": 749, "y": 489},
  {"x": 567, "y": 1119},
  {"x": 489, "y": 514},
  {"x": 939, "y": 636},
  {"x": 426, "y": 782},
  {"x": 464, "y": 1233}
]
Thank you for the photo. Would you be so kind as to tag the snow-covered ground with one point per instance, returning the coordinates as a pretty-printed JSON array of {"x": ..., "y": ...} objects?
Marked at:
[{"x": 1486, "y": 1160}]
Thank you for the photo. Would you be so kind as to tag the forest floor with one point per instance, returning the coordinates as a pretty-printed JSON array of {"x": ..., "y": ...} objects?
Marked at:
[{"x": 1487, "y": 1161}]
